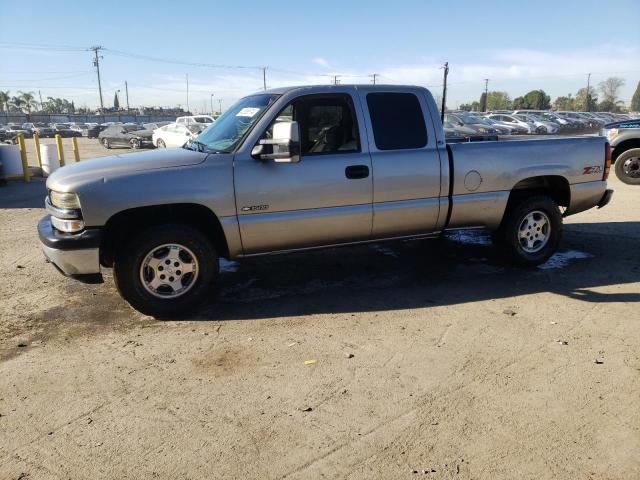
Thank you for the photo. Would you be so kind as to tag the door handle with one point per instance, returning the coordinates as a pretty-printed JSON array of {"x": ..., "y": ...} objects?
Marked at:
[{"x": 353, "y": 172}]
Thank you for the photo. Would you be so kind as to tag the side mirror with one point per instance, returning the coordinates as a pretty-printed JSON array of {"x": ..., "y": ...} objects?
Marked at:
[{"x": 284, "y": 147}]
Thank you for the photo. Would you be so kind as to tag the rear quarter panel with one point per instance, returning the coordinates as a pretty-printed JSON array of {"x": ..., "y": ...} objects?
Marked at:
[{"x": 486, "y": 172}]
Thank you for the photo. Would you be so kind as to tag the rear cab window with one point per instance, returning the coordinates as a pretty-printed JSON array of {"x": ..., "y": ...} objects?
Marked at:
[{"x": 397, "y": 121}]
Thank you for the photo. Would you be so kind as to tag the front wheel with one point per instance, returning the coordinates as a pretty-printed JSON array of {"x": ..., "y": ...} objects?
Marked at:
[
  {"x": 105, "y": 143},
  {"x": 161, "y": 144},
  {"x": 628, "y": 166},
  {"x": 166, "y": 270},
  {"x": 135, "y": 143},
  {"x": 531, "y": 230}
]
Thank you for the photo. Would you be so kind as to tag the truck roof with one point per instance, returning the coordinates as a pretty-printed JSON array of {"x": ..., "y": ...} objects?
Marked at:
[{"x": 339, "y": 87}]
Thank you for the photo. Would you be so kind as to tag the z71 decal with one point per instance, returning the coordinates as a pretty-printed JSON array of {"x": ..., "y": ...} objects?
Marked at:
[{"x": 592, "y": 170}]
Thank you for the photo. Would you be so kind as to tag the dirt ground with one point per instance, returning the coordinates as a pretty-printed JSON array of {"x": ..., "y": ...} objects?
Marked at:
[{"x": 399, "y": 360}]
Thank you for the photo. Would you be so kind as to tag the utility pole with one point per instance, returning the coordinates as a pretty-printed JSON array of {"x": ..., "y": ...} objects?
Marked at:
[
  {"x": 40, "y": 95},
  {"x": 335, "y": 79},
  {"x": 588, "y": 108},
  {"x": 444, "y": 90},
  {"x": 220, "y": 106},
  {"x": 211, "y": 98},
  {"x": 188, "y": 110},
  {"x": 126, "y": 89},
  {"x": 374, "y": 75},
  {"x": 264, "y": 77},
  {"x": 96, "y": 63},
  {"x": 486, "y": 92}
]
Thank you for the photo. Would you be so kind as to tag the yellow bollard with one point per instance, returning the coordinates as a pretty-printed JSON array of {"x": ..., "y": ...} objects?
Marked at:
[
  {"x": 23, "y": 156},
  {"x": 76, "y": 152},
  {"x": 60, "y": 151},
  {"x": 36, "y": 144}
]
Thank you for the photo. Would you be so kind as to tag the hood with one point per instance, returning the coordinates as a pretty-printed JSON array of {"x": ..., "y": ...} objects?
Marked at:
[
  {"x": 71, "y": 177},
  {"x": 624, "y": 124}
]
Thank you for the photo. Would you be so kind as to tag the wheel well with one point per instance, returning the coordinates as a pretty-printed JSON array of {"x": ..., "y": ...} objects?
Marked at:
[
  {"x": 624, "y": 146},
  {"x": 124, "y": 224},
  {"x": 553, "y": 186}
]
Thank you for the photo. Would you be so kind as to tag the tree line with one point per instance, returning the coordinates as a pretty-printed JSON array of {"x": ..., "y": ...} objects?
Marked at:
[
  {"x": 25, "y": 102},
  {"x": 603, "y": 99}
]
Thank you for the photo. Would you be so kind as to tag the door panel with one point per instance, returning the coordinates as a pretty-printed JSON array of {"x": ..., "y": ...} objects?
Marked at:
[
  {"x": 304, "y": 203},
  {"x": 407, "y": 183},
  {"x": 295, "y": 205}
]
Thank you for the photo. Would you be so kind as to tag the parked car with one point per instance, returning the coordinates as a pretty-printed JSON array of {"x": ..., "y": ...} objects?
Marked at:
[
  {"x": 128, "y": 135},
  {"x": 452, "y": 130},
  {"x": 624, "y": 137},
  {"x": 44, "y": 131},
  {"x": 65, "y": 130},
  {"x": 513, "y": 120},
  {"x": 580, "y": 123},
  {"x": 14, "y": 129},
  {"x": 94, "y": 131},
  {"x": 176, "y": 135},
  {"x": 513, "y": 129},
  {"x": 541, "y": 126},
  {"x": 188, "y": 120},
  {"x": 253, "y": 184},
  {"x": 154, "y": 125},
  {"x": 7, "y": 136},
  {"x": 465, "y": 119}
]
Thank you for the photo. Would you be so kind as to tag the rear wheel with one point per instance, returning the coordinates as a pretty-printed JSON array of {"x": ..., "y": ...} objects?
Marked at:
[
  {"x": 166, "y": 270},
  {"x": 628, "y": 167},
  {"x": 135, "y": 143},
  {"x": 531, "y": 230},
  {"x": 161, "y": 144}
]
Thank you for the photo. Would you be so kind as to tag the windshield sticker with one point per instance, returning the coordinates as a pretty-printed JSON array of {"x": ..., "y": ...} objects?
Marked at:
[{"x": 247, "y": 112}]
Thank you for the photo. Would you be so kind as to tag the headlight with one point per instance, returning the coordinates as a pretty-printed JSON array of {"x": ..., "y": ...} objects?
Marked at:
[
  {"x": 481, "y": 130},
  {"x": 612, "y": 133},
  {"x": 66, "y": 201}
]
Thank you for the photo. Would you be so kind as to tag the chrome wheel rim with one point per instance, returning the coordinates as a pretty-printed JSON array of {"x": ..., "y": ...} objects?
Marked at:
[
  {"x": 169, "y": 271},
  {"x": 631, "y": 167},
  {"x": 534, "y": 231}
]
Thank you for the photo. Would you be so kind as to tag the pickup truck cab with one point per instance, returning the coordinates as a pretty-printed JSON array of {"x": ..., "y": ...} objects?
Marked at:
[{"x": 306, "y": 167}]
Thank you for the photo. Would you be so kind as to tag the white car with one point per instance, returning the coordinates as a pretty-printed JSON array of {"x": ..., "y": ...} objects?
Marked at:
[
  {"x": 541, "y": 126},
  {"x": 175, "y": 135},
  {"x": 513, "y": 120},
  {"x": 190, "y": 120}
]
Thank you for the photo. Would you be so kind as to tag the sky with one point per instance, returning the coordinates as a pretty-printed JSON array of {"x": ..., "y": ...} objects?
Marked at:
[{"x": 519, "y": 46}]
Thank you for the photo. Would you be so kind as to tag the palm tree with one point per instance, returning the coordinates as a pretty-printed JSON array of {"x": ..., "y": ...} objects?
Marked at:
[
  {"x": 4, "y": 101},
  {"x": 16, "y": 103},
  {"x": 28, "y": 101}
]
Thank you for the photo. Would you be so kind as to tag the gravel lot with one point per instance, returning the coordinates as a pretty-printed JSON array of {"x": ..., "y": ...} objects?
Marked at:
[{"x": 402, "y": 360}]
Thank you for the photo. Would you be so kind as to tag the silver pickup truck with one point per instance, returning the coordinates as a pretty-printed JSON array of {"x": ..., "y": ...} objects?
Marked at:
[{"x": 305, "y": 167}]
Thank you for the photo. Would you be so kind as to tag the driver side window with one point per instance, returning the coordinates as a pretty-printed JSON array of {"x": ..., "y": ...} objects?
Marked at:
[{"x": 327, "y": 124}]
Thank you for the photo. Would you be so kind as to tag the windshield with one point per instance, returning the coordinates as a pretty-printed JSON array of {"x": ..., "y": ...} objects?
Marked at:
[{"x": 226, "y": 132}]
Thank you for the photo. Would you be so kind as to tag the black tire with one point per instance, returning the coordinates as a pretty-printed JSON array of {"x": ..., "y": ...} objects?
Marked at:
[
  {"x": 128, "y": 262},
  {"x": 135, "y": 143},
  {"x": 628, "y": 166},
  {"x": 508, "y": 237},
  {"x": 105, "y": 143},
  {"x": 161, "y": 144}
]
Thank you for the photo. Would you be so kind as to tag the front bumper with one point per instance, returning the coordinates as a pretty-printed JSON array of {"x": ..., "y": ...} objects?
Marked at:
[{"x": 74, "y": 255}]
